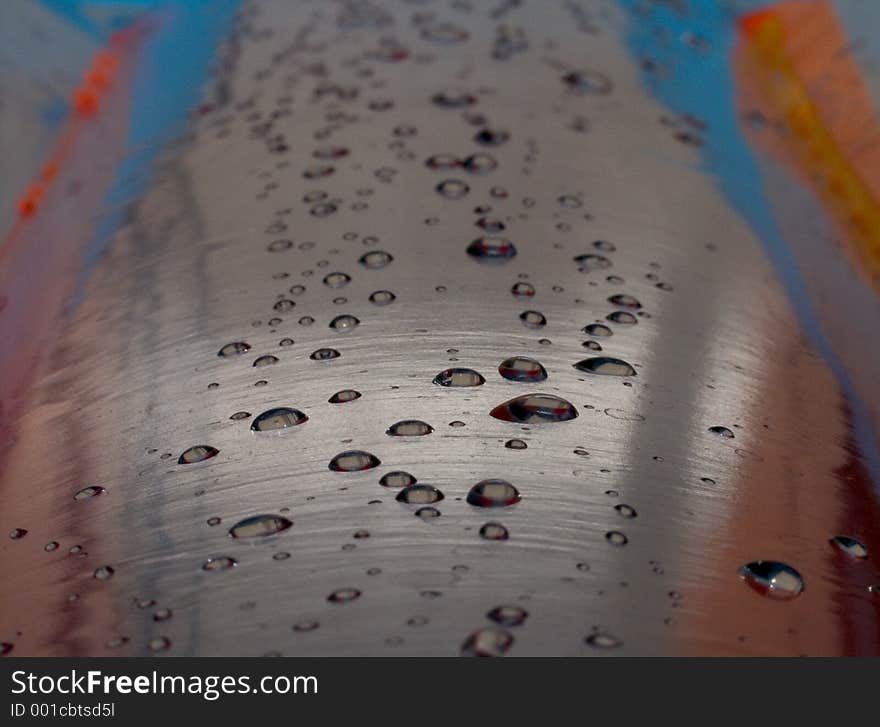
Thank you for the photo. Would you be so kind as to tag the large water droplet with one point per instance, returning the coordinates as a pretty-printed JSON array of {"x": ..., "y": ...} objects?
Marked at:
[
  {"x": 597, "y": 329},
  {"x": 198, "y": 453},
  {"x": 419, "y": 495},
  {"x": 337, "y": 280},
  {"x": 773, "y": 578},
  {"x": 259, "y": 526},
  {"x": 267, "y": 360},
  {"x": 520, "y": 368},
  {"x": 493, "y": 493},
  {"x": 279, "y": 418},
  {"x": 852, "y": 547},
  {"x": 534, "y": 409},
  {"x": 492, "y": 249},
  {"x": 459, "y": 377},
  {"x": 487, "y": 642},
  {"x": 409, "y": 428},
  {"x": 605, "y": 366},
  {"x": 622, "y": 317},
  {"x": 234, "y": 349},
  {"x": 382, "y": 297},
  {"x": 353, "y": 460},
  {"x": 589, "y": 262}
]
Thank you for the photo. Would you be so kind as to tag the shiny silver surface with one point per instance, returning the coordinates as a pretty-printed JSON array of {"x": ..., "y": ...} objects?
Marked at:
[{"x": 131, "y": 379}]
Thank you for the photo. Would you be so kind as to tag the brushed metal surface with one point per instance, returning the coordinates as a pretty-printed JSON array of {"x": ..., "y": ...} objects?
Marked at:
[{"x": 133, "y": 378}]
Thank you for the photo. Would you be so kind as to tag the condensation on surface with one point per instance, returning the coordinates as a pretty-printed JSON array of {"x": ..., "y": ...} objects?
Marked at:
[{"x": 329, "y": 389}]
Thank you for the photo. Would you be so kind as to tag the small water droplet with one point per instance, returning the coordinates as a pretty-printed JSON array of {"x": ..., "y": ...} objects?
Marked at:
[
  {"x": 427, "y": 513},
  {"x": 452, "y": 188},
  {"x": 409, "y": 428},
  {"x": 267, "y": 360},
  {"x": 305, "y": 626},
  {"x": 523, "y": 290},
  {"x": 344, "y": 396},
  {"x": 103, "y": 573},
  {"x": 626, "y": 511},
  {"x": 337, "y": 280},
  {"x": 198, "y": 453},
  {"x": 535, "y": 408},
  {"x": 234, "y": 349},
  {"x": 375, "y": 259},
  {"x": 344, "y": 595},
  {"x": 417, "y": 494},
  {"x": 492, "y": 249},
  {"x": 398, "y": 478},
  {"x": 520, "y": 368},
  {"x": 382, "y": 297},
  {"x": 508, "y": 615},
  {"x": 259, "y": 526},
  {"x": 597, "y": 329},
  {"x": 589, "y": 262},
  {"x": 487, "y": 642},
  {"x": 17, "y": 533},
  {"x": 773, "y": 579},
  {"x": 622, "y": 317},
  {"x": 281, "y": 417},
  {"x": 459, "y": 377},
  {"x": 324, "y": 354},
  {"x": 605, "y": 366},
  {"x": 615, "y": 537},
  {"x": 353, "y": 460},
  {"x": 588, "y": 82},
  {"x": 344, "y": 323},
  {"x": 239, "y": 415},
  {"x": 722, "y": 432},
  {"x": 87, "y": 493},
  {"x": 159, "y": 643},
  {"x": 221, "y": 563},
  {"x": 493, "y": 493},
  {"x": 515, "y": 444},
  {"x": 625, "y": 301},
  {"x": 494, "y": 531},
  {"x": 852, "y": 547},
  {"x": 603, "y": 641}
]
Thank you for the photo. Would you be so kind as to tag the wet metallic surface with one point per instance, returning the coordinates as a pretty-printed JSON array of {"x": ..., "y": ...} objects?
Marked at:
[{"x": 127, "y": 383}]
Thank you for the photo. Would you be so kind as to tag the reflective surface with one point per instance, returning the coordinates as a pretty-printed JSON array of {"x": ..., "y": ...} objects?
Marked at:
[{"x": 711, "y": 436}]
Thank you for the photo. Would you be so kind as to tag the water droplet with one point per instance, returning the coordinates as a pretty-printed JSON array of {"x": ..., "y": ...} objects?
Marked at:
[
  {"x": 285, "y": 342},
  {"x": 534, "y": 409},
  {"x": 442, "y": 162},
  {"x": 337, "y": 280},
  {"x": 520, "y": 368},
  {"x": 603, "y": 641},
  {"x": 588, "y": 81},
  {"x": 87, "y": 493},
  {"x": 50, "y": 546},
  {"x": 103, "y": 573},
  {"x": 324, "y": 354},
  {"x": 491, "y": 137},
  {"x": 198, "y": 453},
  {"x": 508, "y": 615},
  {"x": 343, "y": 595},
  {"x": 487, "y": 642},
  {"x": 375, "y": 259},
  {"x": 492, "y": 249},
  {"x": 626, "y": 511},
  {"x": 344, "y": 323},
  {"x": 452, "y": 188},
  {"x": 427, "y": 513},
  {"x": 284, "y": 305},
  {"x": 419, "y": 495},
  {"x": 622, "y": 317},
  {"x": 259, "y": 526},
  {"x": 159, "y": 643},
  {"x": 597, "y": 329},
  {"x": 773, "y": 579},
  {"x": 353, "y": 460},
  {"x": 479, "y": 164},
  {"x": 305, "y": 626},
  {"x": 398, "y": 478},
  {"x": 515, "y": 444},
  {"x": 533, "y": 319},
  {"x": 522, "y": 290},
  {"x": 453, "y": 99},
  {"x": 722, "y": 432},
  {"x": 625, "y": 301},
  {"x": 852, "y": 547},
  {"x": 459, "y": 377},
  {"x": 279, "y": 245},
  {"x": 279, "y": 418},
  {"x": 17, "y": 533},
  {"x": 221, "y": 563},
  {"x": 409, "y": 428},
  {"x": 5, "y": 648},
  {"x": 163, "y": 614},
  {"x": 234, "y": 349},
  {"x": 344, "y": 396},
  {"x": 493, "y": 493},
  {"x": 267, "y": 360},
  {"x": 382, "y": 297},
  {"x": 615, "y": 537},
  {"x": 494, "y": 531},
  {"x": 589, "y": 262},
  {"x": 605, "y": 366}
]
